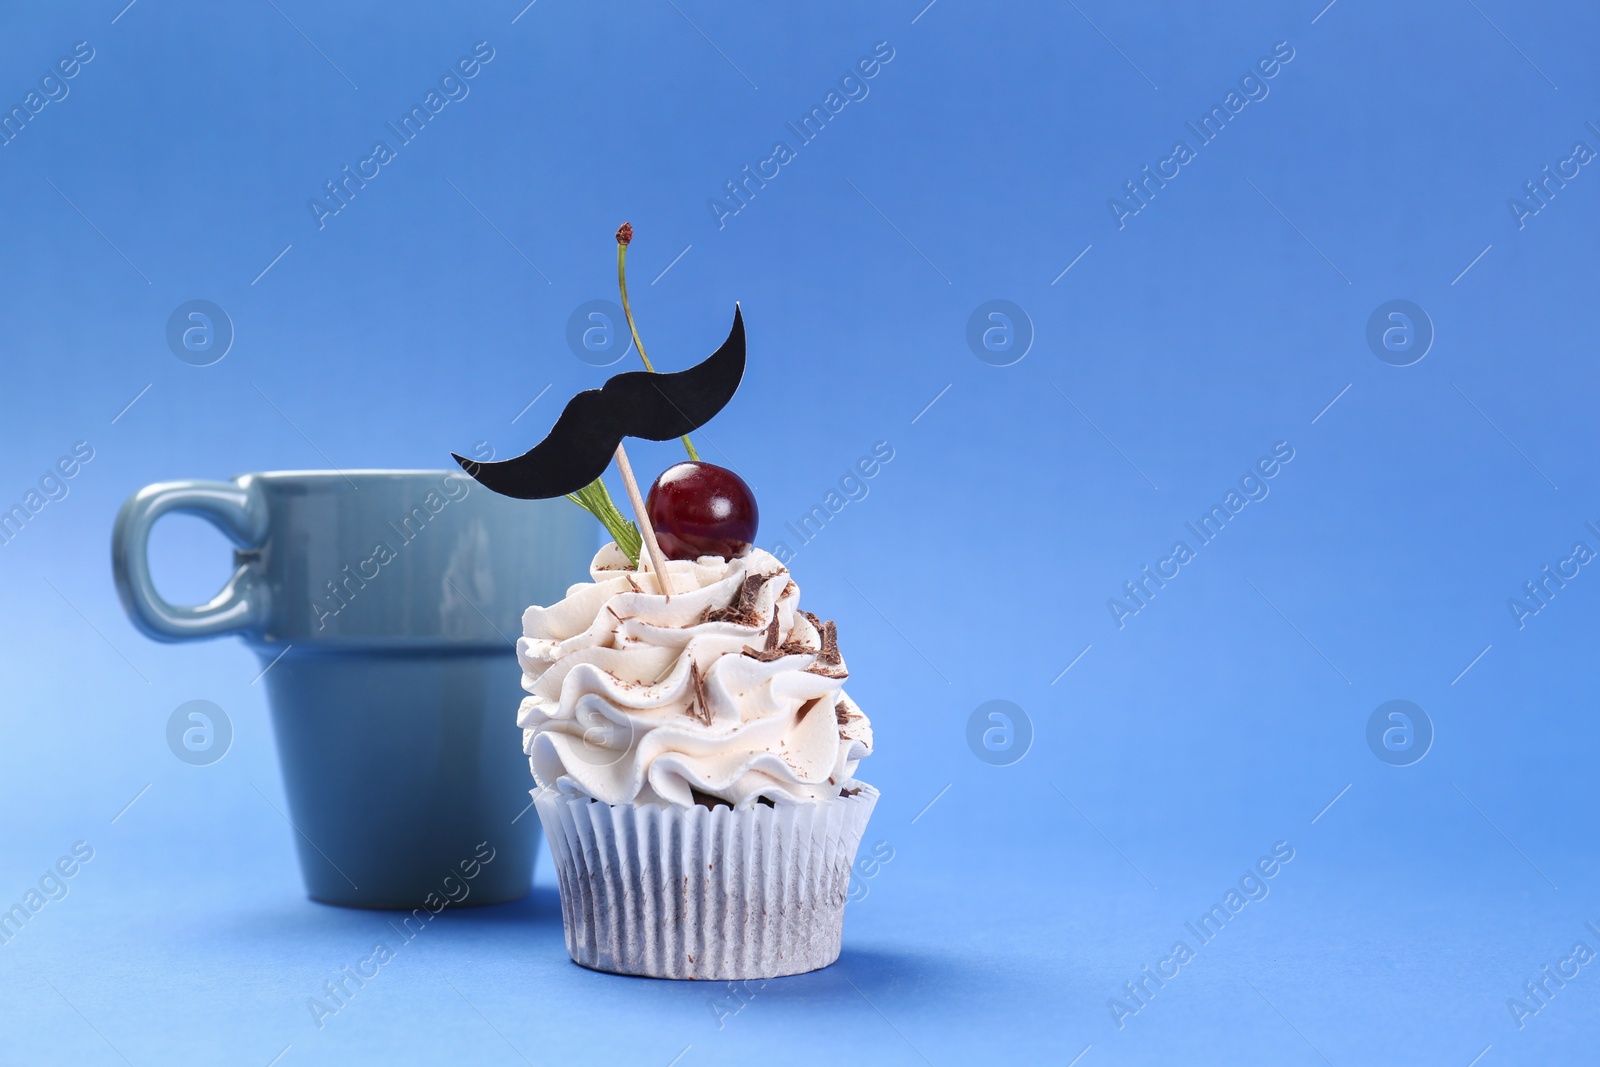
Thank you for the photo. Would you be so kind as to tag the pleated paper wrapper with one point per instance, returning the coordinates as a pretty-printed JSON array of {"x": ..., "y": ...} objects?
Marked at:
[{"x": 707, "y": 893}]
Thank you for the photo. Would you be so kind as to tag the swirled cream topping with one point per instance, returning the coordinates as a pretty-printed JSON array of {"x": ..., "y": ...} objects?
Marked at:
[{"x": 724, "y": 691}]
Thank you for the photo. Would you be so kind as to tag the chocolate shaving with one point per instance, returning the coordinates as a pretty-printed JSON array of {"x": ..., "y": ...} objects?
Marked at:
[
  {"x": 742, "y": 611},
  {"x": 830, "y": 645},
  {"x": 842, "y": 713},
  {"x": 634, "y": 584},
  {"x": 788, "y": 648},
  {"x": 828, "y": 664},
  {"x": 849, "y": 792},
  {"x": 698, "y": 708}
]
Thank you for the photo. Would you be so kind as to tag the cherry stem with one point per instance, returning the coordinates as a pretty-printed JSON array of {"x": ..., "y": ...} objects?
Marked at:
[
  {"x": 658, "y": 560},
  {"x": 622, "y": 284}
]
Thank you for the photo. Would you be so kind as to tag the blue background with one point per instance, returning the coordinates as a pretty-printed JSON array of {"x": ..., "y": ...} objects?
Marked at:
[{"x": 1220, "y": 319}]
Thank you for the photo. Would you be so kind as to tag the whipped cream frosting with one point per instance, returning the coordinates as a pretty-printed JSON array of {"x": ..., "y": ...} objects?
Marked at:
[{"x": 727, "y": 688}]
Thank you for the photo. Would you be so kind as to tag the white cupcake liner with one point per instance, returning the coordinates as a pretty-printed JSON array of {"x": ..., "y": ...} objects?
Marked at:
[{"x": 714, "y": 894}]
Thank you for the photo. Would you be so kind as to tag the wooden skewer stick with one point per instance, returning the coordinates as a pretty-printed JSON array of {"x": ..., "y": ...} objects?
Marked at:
[{"x": 658, "y": 561}]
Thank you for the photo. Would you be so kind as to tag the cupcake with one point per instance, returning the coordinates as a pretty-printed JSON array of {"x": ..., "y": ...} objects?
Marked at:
[
  {"x": 696, "y": 758},
  {"x": 686, "y": 723}
]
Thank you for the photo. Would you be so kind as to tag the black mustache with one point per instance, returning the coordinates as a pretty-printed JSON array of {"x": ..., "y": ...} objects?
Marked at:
[{"x": 655, "y": 407}]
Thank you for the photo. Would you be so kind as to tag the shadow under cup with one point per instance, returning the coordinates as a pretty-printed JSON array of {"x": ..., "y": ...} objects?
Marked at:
[{"x": 384, "y": 606}]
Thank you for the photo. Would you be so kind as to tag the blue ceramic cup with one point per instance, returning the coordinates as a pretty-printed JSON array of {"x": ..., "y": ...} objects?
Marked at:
[{"x": 385, "y": 606}]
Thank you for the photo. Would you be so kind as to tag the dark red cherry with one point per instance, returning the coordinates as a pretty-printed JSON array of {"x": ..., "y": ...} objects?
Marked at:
[{"x": 701, "y": 509}]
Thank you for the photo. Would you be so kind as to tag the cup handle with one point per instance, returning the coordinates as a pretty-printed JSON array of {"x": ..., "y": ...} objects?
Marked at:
[{"x": 236, "y": 509}]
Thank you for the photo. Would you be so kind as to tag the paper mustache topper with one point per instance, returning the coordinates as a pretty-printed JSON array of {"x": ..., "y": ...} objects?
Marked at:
[{"x": 655, "y": 407}]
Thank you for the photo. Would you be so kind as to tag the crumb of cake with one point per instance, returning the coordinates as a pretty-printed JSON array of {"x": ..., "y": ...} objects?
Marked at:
[{"x": 711, "y": 800}]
